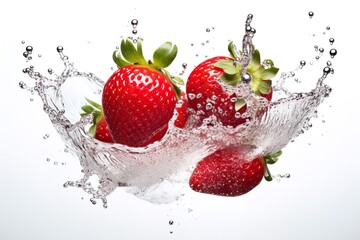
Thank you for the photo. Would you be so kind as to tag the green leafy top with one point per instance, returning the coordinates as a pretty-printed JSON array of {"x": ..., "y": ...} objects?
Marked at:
[
  {"x": 260, "y": 72},
  {"x": 163, "y": 56},
  {"x": 270, "y": 159},
  {"x": 96, "y": 110}
]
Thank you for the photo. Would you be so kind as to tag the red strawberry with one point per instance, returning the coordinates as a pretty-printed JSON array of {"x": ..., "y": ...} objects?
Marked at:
[
  {"x": 207, "y": 97},
  {"x": 99, "y": 130},
  {"x": 140, "y": 97},
  {"x": 226, "y": 173}
]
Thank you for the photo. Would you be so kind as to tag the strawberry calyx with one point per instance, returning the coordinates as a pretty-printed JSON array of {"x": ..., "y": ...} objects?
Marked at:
[
  {"x": 96, "y": 110},
  {"x": 270, "y": 159},
  {"x": 164, "y": 55},
  {"x": 260, "y": 73}
]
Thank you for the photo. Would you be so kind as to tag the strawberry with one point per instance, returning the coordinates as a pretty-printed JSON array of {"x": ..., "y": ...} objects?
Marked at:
[
  {"x": 99, "y": 130},
  {"x": 140, "y": 97},
  {"x": 207, "y": 97},
  {"x": 226, "y": 173}
]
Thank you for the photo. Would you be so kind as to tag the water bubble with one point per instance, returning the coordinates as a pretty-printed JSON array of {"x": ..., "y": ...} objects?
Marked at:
[
  {"x": 50, "y": 71},
  {"x": 208, "y": 30},
  {"x": 171, "y": 222},
  {"x": 22, "y": 85},
  {"x": 317, "y": 57},
  {"x": 184, "y": 65},
  {"x": 48, "y": 159},
  {"x": 333, "y": 52},
  {"x": 208, "y": 106},
  {"x": 302, "y": 63},
  {"x": 246, "y": 77},
  {"x": 56, "y": 163},
  {"x": 39, "y": 55},
  {"x": 46, "y": 136},
  {"x": 171, "y": 232},
  {"x": 311, "y": 14},
  {"x": 25, "y": 54},
  {"x": 328, "y": 63},
  {"x": 59, "y": 49},
  {"x": 316, "y": 47},
  {"x": 328, "y": 28},
  {"x": 23, "y": 42},
  {"x": 134, "y": 22},
  {"x": 29, "y": 49},
  {"x": 191, "y": 96},
  {"x": 326, "y": 70},
  {"x": 321, "y": 50},
  {"x": 331, "y": 40},
  {"x": 237, "y": 115},
  {"x": 93, "y": 201},
  {"x": 199, "y": 95},
  {"x": 134, "y": 31}
]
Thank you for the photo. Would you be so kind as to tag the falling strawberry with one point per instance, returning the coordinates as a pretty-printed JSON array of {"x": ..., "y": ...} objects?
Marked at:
[
  {"x": 99, "y": 129},
  {"x": 207, "y": 97},
  {"x": 140, "y": 97},
  {"x": 226, "y": 173}
]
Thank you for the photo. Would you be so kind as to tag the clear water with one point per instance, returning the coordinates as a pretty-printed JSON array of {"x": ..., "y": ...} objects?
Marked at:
[{"x": 151, "y": 172}]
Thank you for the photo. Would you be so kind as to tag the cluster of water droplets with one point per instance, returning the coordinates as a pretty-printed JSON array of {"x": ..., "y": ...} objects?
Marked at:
[{"x": 151, "y": 172}]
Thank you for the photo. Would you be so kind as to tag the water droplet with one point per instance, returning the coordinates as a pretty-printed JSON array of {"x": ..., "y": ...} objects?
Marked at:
[
  {"x": 331, "y": 40},
  {"x": 199, "y": 95},
  {"x": 50, "y": 71},
  {"x": 134, "y": 31},
  {"x": 237, "y": 115},
  {"x": 246, "y": 77},
  {"x": 31, "y": 99},
  {"x": 333, "y": 52},
  {"x": 326, "y": 70},
  {"x": 134, "y": 22},
  {"x": 23, "y": 42},
  {"x": 56, "y": 163},
  {"x": 317, "y": 57},
  {"x": 29, "y": 49},
  {"x": 93, "y": 201},
  {"x": 25, "y": 54},
  {"x": 22, "y": 85},
  {"x": 302, "y": 63},
  {"x": 208, "y": 106},
  {"x": 29, "y": 58},
  {"x": 171, "y": 232},
  {"x": 39, "y": 55},
  {"x": 59, "y": 49},
  {"x": 321, "y": 50},
  {"x": 328, "y": 28},
  {"x": 328, "y": 63},
  {"x": 46, "y": 136},
  {"x": 311, "y": 14},
  {"x": 48, "y": 159},
  {"x": 208, "y": 30},
  {"x": 184, "y": 65},
  {"x": 191, "y": 96},
  {"x": 171, "y": 222},
  {"x": 316, "y": 47}
]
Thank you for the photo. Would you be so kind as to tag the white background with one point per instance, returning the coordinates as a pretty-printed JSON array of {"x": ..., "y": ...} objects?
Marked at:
[{"x": 319, "y": 201}]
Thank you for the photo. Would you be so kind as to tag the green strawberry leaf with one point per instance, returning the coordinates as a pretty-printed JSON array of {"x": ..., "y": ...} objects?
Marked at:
[
  {"x": 265, "y": 87},
  {"x": 119, "y": 61},
  {"x": 175, "y": 81},
  {"x": 94, "y": 104},
  {"x": 269, "y": 62},
  {"x": 272, "y": 157},
  {"x": 231, "y": 79},
  {"x": 228, "y": 66},
  {"x": 269, "y": 73},
  {"x": 130, "y": 53},
  {"x": 239, "y": 104},
  {"x": 87, "y": 109},
  {"x": 164, "y": 55},
  {"x": 255, "y": 59},
  {"x": 233, "y": 53}
]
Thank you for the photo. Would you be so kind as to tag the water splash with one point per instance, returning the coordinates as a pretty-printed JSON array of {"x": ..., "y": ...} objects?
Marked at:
[{"x": 151, "y": 172}]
